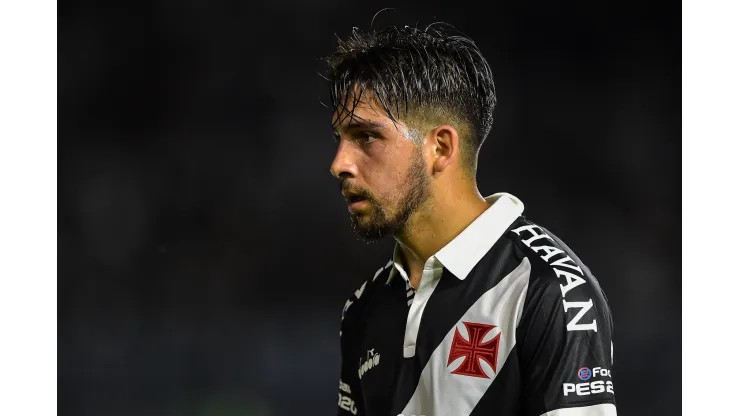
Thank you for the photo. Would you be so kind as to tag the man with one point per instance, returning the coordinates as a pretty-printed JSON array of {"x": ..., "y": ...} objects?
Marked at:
[{"x": 479, "y": 311}]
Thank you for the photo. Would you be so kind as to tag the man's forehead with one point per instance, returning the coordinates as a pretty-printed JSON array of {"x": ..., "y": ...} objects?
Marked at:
[{"x": 362, "y": 114}]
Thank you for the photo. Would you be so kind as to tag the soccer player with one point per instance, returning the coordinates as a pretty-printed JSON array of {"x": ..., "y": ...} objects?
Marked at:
[{"x": 479, "y": 311}]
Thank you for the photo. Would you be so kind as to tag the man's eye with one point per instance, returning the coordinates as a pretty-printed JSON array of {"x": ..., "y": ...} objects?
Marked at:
[{"x": 366, "y": 137}]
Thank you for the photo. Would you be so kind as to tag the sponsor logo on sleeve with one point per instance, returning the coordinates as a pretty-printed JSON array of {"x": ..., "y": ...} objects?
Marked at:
[
  {"x": 596, "y": 380},
  {"x": 584, "y": 373}
]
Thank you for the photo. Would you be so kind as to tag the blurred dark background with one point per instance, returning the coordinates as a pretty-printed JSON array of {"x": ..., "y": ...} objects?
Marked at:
[{"x": 205, "y": 253}]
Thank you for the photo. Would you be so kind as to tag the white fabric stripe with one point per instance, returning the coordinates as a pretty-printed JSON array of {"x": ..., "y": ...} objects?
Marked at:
[
  {"x": 604, "y": 409},
  {"x": 430, "y": 277},
  {"x": 441, "y": 393}
]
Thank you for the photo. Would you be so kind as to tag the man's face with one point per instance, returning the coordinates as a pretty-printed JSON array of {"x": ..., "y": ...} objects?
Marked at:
[{"x": 382, "y": 172}]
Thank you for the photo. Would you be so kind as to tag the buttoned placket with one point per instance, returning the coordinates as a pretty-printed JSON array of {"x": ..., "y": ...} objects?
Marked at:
[{"x": 430, "y": 277}]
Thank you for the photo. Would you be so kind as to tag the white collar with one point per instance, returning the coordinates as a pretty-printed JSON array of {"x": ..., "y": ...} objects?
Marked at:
[{"x": 461, "y": 254}]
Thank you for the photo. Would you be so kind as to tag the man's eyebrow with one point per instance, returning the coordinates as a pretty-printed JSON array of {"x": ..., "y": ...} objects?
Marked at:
[{"x": 362, "y": 124}]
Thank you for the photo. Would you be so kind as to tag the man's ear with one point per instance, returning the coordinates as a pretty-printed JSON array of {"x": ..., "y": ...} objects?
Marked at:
[{"x": 446, "y": 144}]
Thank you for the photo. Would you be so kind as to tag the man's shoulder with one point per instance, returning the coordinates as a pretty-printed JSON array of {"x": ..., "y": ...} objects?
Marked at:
[
  {"x": 359, "y": 296},
  {"x": 556, "y": 269}
]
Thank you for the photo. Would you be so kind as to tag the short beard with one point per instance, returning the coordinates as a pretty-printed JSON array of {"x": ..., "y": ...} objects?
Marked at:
[{"x": 383, "y": 223}]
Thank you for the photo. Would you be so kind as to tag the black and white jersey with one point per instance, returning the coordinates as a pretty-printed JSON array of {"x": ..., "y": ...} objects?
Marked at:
[{"x": 506, "y": 321}]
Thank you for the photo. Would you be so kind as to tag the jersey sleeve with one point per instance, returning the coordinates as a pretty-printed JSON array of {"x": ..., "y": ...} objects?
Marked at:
[
  {"x": 566, "y": 350},
  {"x": 350, "y": 398}
]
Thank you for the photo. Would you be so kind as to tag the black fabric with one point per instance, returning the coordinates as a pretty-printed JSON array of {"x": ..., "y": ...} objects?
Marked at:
[
  {"x": 545, "y": 358},
  {"x": 550, "y": 355}
]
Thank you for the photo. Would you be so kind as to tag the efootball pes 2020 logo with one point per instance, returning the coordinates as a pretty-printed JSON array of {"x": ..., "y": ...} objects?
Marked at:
[
  {"x": 474, "y": 350},
  {"x": 584, "y": 373},
  {"x": 599, "y": 384}
]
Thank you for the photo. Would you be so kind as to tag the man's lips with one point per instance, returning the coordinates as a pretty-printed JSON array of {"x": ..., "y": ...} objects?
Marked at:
[
  {"x": 357, "y": 205},
  {"x": 355, "y": 202},
  {"x": 352, "y": 196}
]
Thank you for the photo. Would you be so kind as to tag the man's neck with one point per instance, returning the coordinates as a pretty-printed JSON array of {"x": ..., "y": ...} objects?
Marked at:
[{"x": 430, "y": 229}]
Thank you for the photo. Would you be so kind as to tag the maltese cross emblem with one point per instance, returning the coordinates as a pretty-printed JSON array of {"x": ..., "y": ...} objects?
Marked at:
[{"x": 474, "y": 350}]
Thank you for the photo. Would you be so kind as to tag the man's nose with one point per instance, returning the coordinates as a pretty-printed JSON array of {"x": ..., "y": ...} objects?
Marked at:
[{"x": 343, "y": 164}]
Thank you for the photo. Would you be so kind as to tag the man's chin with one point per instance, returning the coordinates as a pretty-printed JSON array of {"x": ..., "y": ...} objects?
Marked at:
[
  {"x": 371, "y": 235},
  {"x": 367, "y": 232}
]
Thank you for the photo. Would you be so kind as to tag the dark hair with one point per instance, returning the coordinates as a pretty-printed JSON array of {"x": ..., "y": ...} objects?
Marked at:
[{"x": 433, "y": 73}]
